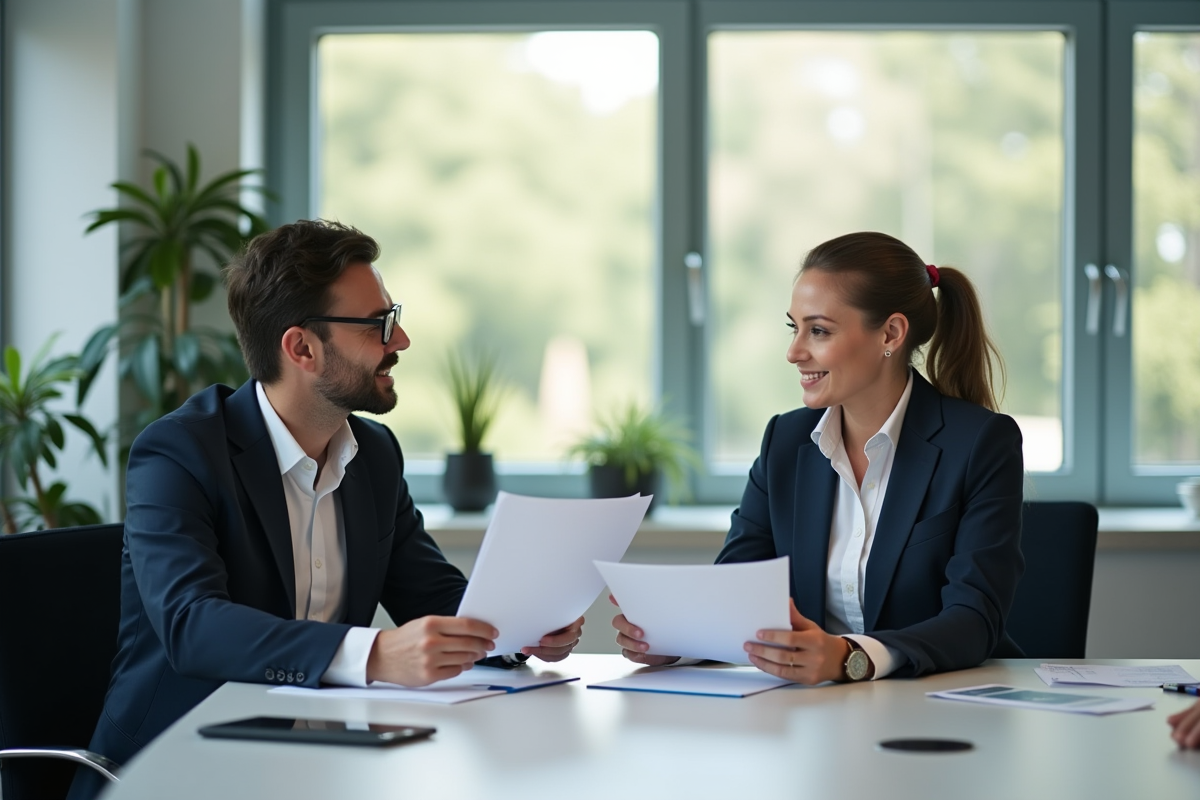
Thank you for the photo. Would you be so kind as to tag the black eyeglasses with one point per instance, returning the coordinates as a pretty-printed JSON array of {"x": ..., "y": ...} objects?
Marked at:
[{"x": 387, "y": 322}]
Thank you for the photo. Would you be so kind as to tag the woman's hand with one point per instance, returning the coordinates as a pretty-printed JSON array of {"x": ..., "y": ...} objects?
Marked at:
[
  {"x": 629, "y": 636},
  {"x": 805, "y": 654},
  {"x": 1186, "y": 727}
]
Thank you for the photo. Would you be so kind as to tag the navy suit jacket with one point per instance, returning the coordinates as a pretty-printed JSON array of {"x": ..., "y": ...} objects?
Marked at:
[
  {"x": 946, "y": 556},
  {"x": 208, "y": 589}
]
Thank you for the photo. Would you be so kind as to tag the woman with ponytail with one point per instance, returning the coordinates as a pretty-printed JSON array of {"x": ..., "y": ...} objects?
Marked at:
[{"x": 897, "y": 499}]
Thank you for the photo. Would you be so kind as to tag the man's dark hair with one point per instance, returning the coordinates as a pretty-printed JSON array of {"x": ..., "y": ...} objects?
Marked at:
[{"x": 281, "y": 278}]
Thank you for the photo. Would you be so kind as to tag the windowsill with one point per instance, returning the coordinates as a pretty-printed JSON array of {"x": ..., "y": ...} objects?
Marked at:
[
  {"x": 1148, "y": 529},
  {"x": 694, "y": 527},
  {"x": 669, "y": 527}
]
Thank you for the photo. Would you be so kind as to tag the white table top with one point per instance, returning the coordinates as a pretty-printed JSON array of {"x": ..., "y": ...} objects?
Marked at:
[{"x": 572, "y": 742}]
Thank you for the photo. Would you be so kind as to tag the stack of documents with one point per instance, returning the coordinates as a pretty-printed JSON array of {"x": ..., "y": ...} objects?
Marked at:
[
  {"x": 995, "y": 694},
  {"x": 1104, "y": 675},
  {"x": 471, "y": 685}
]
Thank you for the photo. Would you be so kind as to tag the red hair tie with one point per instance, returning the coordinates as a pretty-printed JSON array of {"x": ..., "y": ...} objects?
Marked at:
[{"x": 933, "y": 274}]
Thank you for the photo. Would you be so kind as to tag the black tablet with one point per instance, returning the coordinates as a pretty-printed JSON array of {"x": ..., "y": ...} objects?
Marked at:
[{"x": 316, "y": 731}]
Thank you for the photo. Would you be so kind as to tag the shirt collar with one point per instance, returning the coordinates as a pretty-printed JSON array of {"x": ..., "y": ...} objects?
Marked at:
[
  {"x": 828, "y": 432},
  {"x": 341, "y": 449}
]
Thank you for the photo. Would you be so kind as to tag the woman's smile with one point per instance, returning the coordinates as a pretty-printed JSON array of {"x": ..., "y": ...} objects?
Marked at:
[{"x": 808, "y": 378}]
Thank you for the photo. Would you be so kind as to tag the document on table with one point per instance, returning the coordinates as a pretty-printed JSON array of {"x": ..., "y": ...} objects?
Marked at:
[
  {"x": 534, "y": 573},
  {"x": 702, "y": 611},
  {"x": 995, "y": 694},
  {"x": 1107, "y": 675},
  {"x": 473, "y": 684},
  {"x": 714, "y": 681}
]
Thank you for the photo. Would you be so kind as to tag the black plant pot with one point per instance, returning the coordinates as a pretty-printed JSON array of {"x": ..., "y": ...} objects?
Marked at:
[
  {"x": 470, "y": 481},
  {"x": 610, "y": 481}
]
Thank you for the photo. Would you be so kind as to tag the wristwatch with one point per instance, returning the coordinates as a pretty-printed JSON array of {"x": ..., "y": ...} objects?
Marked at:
[{"x": 858, "y": 666}]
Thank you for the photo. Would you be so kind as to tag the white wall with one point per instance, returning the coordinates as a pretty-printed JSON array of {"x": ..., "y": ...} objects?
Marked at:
[
  {"x": 1144, "y": 604},
  {"x": 89, "y": 85},
  {"x": 199, "y": 67},
  {"x": 62, "y": 149}
]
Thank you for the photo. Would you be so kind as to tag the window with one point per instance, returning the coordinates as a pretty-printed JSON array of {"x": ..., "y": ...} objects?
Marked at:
[
  {"x": 510, "y": 180},
  {"x": 1166, "y": 250},
  {"x": 951, "y": 141},
  {"x": 537, "y": 173}
]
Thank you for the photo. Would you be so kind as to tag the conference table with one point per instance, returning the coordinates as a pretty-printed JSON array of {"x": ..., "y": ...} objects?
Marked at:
[{"x": 568, "y": 741}]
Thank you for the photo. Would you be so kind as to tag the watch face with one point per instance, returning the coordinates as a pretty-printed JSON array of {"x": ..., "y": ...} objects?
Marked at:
[{"x": 857, "y": 665}]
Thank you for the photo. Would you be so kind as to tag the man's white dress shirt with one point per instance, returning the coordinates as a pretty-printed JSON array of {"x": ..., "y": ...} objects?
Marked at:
[
  {"x": 855, "y": 514},
  {"x": 319, "y": 539}
]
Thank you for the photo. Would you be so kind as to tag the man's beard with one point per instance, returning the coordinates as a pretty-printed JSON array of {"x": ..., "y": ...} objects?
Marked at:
[{"x": 353, "y": 388}]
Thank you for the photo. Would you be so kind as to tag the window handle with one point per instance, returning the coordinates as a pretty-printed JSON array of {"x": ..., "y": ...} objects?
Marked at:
[
  {"x": 1120, "y": 280},
  {"x": 1094, "y": 294},
  {"x": 695, "y": 272}
]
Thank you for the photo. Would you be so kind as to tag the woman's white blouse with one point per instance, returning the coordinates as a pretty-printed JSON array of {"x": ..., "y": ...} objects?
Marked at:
[{"x": 855, "y": 516}]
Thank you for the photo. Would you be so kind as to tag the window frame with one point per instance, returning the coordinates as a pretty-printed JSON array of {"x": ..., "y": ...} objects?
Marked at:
[
  {"x": 1125, "y": 483},
  {"x": 295, "y": 28},
  {"x": 1097, "y": 191},
  {"x": 1081, "y": 25}
]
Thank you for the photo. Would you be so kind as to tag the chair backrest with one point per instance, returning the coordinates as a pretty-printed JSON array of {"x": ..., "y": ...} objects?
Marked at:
[
  {"x": 60, "y": 597},
  {"x": 1049, "y": 616}
]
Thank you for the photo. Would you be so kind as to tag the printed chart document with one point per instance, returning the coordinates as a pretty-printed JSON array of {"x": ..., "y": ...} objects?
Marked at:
[
  {"x": 534, "y": 573},
  {"x": 995, "y": 694},
  {"x": 473, "y": 684},
  {"x": 702, "y": 611},
  {"x": 718, "y": 681},
  {"x": 1105, "y": 675}
]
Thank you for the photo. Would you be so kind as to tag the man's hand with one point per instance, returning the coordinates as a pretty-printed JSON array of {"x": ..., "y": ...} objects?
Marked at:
[
  {"x": 805, "y": 654},
  {"x": 429, "y": 649},
  {"x": 1186, "y": 727},
  {"x": 557, "y": 645}
]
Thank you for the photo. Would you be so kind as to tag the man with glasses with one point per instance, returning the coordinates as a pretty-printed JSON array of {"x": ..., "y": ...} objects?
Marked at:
[{"x": 264, "y": 525}]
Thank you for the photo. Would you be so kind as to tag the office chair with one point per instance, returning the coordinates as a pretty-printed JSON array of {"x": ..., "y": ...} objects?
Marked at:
[
  {"x": 1049, "y": 615},
  {"x": 60, "y": 597}
]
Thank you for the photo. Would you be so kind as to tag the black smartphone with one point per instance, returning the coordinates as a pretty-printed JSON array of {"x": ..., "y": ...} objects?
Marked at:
[{"x": 316, "y": 731}]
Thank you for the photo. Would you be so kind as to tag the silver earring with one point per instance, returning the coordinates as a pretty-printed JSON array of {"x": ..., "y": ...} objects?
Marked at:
[{"x": 887, "y": 353}]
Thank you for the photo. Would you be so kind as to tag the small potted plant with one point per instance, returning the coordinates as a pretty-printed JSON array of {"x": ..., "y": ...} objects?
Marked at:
[
  {"x": 632, "y": 451},
  {"x": 469, "y": 482}
]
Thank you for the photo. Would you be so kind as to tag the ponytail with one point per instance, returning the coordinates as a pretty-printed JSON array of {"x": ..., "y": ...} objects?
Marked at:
[
  {"x": 962, "y": 361},
  {"x": 883, "y": 276}
]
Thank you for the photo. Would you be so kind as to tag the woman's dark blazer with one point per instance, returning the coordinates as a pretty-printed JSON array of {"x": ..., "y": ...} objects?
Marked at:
[{"x": 946, "y": 557}]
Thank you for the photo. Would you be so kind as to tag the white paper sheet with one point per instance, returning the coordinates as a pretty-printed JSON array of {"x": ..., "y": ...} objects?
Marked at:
[
  {"x": 473, "y": 684},
  {"x": 995, "y": 694},
  {"x": 702, "y": 611},
  {"x": 1108, "y": 675},
  {"x": 534, "y": 573},
  {"x": 720, "y": 682}
]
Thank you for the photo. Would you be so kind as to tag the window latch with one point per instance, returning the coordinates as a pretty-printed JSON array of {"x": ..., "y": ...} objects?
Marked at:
[
  {"x": 695, "y": 274},
  {"x": 1094, "y": 295},
  {"x": 1120, "y": 279}
]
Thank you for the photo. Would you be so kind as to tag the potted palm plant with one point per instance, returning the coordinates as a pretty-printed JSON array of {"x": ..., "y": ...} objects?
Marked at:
[
  {"x": 633, "y": 450},
  {"x": 469, "y": 482},
  {"x": 31, "y": 430},
  {"x": 170, "y": 229}
]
